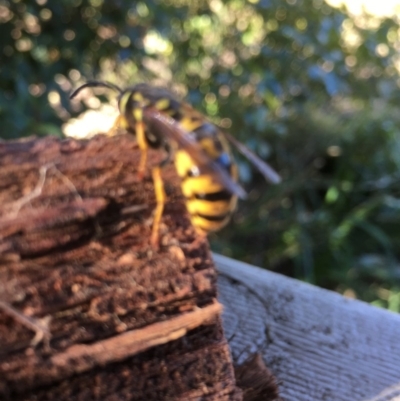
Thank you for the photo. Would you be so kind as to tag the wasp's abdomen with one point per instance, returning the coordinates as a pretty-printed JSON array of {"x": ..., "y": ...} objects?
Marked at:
[{"x": 210, "y": 205}]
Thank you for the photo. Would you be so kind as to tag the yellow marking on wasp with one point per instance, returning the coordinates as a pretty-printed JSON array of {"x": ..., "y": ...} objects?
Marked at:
[
  {"x": 208, "y": 144},
  {"x": 203, "y": 226},
  {"x": 190, "y": 124},
  {"x": 138, "y": 114},
  {"x": 123, "y": 102},
  {"x": 183, "y": 163},
  {"x": 137, "y": 96},
  {"x": 160, "y": 199},
  {"x": 124, "y": 123},
  {"x": 210, "y": 208},
  {"x": 202, "y": 184},
  {"x": 162, "y": 104}
]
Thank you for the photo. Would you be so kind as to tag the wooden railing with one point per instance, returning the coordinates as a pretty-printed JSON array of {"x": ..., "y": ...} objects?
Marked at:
[{"x": 319, "y": 344}]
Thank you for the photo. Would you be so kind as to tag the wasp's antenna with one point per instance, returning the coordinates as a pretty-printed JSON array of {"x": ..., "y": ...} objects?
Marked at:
[{"x": 96, "y": 84}]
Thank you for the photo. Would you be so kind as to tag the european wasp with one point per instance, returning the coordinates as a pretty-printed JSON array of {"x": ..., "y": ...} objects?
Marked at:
[{"x": 200, "y": 151}]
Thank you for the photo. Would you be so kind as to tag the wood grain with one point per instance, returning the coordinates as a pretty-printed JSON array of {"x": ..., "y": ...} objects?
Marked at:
[{"x": 319, "y": 344}]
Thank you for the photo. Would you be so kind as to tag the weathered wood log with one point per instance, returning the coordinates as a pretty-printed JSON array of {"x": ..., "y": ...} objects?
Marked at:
[{"x": 116, "y": 319}]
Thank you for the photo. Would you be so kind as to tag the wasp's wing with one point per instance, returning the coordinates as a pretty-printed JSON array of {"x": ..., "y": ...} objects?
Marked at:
[
  {"x": 174, "y": 131},
  {"x": 267, "y": 171}
]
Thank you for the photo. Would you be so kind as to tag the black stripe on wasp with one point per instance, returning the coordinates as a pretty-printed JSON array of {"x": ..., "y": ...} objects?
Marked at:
[{"x": 199, "y": 149}]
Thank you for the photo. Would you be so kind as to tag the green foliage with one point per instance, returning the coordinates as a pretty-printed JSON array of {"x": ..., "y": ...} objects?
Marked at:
[
  {"x": 335, "y": 219},
  {"x": 302, "y": 83}
]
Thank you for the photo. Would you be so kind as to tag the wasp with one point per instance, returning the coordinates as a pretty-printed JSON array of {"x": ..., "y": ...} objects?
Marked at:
[{"x": 200, "y": 151}]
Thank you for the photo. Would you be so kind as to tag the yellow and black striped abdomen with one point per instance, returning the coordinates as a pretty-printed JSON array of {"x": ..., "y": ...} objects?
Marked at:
[{"x": 207, "y": 200}]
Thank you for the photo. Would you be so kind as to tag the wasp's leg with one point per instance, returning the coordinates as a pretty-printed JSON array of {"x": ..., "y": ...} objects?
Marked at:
[
  {"x": 160, "y": 196},
  {"x": 160, "y": 199},
  {"x": 170, "y": 153},
  {"x": 143, "y": 146},
  {"x": 40, "y": 328}
]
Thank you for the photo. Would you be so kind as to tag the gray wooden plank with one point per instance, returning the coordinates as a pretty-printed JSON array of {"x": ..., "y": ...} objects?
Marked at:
[{"x": 319, "y": 344}]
